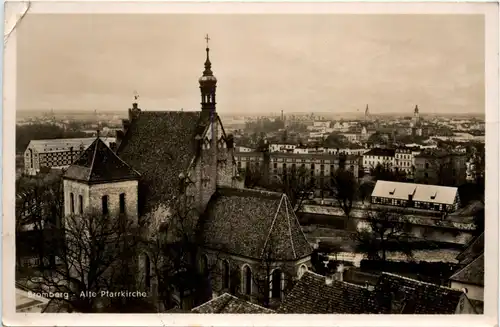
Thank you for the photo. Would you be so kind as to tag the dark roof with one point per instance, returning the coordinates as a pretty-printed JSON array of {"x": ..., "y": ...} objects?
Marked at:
[
  {"x": 415, "y": 297},
  {"x": 473, "y": 273},
  {"x": 380, "y": 152},
  {"x": 249, "y": 222},
  {"x": 473, "y": 249},
  {"x": 161, "y": 145},
  {"x": 99, "y": 164},
  {"x": 311, "y": 295},
  {"x": 227, "y": 303}
]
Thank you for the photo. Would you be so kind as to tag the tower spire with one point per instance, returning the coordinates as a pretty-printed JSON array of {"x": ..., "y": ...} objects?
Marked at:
[{"x": 208, "y": 83}]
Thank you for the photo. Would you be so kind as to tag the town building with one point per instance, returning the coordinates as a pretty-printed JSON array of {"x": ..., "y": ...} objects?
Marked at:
[
  {"x": 421, "y": 196},
  {"x": 392, "y": 294},
  {"x": 404, "y": 161},
  {"x": 470, "y": 278},
  {"x": 440, "y": 167},
  {"x": 319, "y": 167},
  {"x": 189, "y": 179},
  {"x": 55, "y": 153},
  {"x": 378, "y": 156}
]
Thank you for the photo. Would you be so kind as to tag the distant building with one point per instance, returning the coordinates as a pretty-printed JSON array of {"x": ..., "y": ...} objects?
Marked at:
[
  {"x": 282, "y": 147},
  {"x": 56, "y": 153},
  {"x": 378, "y": 156},
  {"x": 410, "y": 195},
  {"x": 320, "y": 167},
  {"x": 404, "y": 161},
  {"x": 440, "y": 167}
]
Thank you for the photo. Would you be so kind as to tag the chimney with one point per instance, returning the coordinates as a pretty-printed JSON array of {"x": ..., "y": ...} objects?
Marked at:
[
  {"x": 339, "y": 275},
  {"x": 230, "y": 141},
  {"x": 113, "y": 146}
]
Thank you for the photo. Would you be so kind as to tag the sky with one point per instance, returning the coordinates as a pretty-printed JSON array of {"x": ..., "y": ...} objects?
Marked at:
[{"x": 263, "y": 63}]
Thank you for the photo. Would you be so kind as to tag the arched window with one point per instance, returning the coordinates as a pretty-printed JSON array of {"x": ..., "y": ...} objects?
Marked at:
[
  {"x": 302, "y": 270},
  {"x": 147, "y": 271},
  {"x": 247, "y": 280},
  {"x": 225, "y": 274},
  {"x": 204, "y": 264},
  {"x": 276, "y": 284}
]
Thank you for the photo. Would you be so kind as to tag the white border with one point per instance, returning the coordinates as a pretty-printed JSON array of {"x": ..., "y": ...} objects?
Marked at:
[{"x": 490, "y": 10}]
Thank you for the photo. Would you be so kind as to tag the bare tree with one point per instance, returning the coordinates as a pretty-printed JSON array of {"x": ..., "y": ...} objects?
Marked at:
[
  {"x": 344, "y": 188},
  {"x": 269, "y": 289},
  {"x": 39, "y": 207},
  {"x": 91, "y": 260},
  {"x": 384, "y": 230},
  {"x": 171, "y": 244}
]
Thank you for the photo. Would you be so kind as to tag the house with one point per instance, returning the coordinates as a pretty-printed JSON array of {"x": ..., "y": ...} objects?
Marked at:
[
  {"x": 392, "y": 294},
  {"x": 470, "y": 278},
  {"x": 440, "y": 167},
  {"x": 378, "y": 156},
  {"x": 55, "y": 153},
  {"x": 171, "y": 163},
  {"x": 422, "y": 196},
  {"x": 227, "y": 303}
]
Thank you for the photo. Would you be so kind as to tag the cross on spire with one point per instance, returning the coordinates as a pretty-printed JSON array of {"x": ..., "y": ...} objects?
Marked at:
[{"x": 207, "y": 39}]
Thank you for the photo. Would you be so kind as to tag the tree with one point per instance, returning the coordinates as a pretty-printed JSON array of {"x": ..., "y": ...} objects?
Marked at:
[
  {"x": 170, "y": 243},
  {"x": 39, "y": 210},
  {"x": 336, "y": 141},
  {"x": 269, "y": 288},
  {"x": 97, "y": 255},
  {"x": 26, "y": 133},
  {"x": 344, "y": 188},
  {"x": 365, "y": 190},
  {"x": 385, "y": 173},
  {"x": 296, "y": 184},
  {"x": 384, "y": 230}
]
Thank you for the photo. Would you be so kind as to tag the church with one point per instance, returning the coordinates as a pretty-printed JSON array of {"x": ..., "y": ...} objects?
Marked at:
[{"x": 249, "y": 242}]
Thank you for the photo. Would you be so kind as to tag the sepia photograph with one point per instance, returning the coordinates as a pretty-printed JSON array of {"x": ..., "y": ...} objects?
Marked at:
[{"x": 252, "y": 163}]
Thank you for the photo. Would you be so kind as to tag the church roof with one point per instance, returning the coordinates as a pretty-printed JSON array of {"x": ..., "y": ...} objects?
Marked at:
[
  {"x": 255, "y": 224},
  {"x": 99, "y": 164},
  {"x": 161, "y": 145}
]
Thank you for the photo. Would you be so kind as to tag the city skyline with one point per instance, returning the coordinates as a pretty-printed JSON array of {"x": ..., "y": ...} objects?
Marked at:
[{"x": 433, "y": 61}]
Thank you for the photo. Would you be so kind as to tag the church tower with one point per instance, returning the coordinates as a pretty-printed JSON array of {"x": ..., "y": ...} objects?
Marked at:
[
  {"x": 415, "y": 114},
  {"x": 208, "y": 84}
]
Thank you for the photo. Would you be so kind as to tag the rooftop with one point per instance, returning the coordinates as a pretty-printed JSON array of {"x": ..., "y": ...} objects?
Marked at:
[
  {"x": 251, "y": 222},
  {"x": 99, "y": 164},
  {"x": 420, "y": 192},
  {"x": 380, "y": 152},
  {"x": 473, "y": 273},
  {"x": 311, "y": 295},
  {"x": 227, "y": 303},
  {"x": 473, "y": 249},
  {"x": 160, "y": 145}
]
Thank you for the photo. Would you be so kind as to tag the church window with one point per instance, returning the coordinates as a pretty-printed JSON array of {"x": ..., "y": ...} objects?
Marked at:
[
  {"x": 72, "y": 202},
  {"x": 276, "y": 284},
  {"x": 247, "y": 280},
  {"x": 105, "y": 209},
  {"x": 204, "y": 264},
  {"x": 225, "y": 274},
  {"x": 122, "y": 203},
  {"x": 80, "y": 203}
]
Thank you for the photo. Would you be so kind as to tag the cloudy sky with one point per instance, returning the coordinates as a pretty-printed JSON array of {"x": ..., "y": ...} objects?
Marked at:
[{"x": 264, "y": 63}]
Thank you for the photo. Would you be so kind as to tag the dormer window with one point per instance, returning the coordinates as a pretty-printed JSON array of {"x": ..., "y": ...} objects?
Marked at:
[
  {"x": 392, "y": 192},
  {"x": 433, "y": 197}
]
